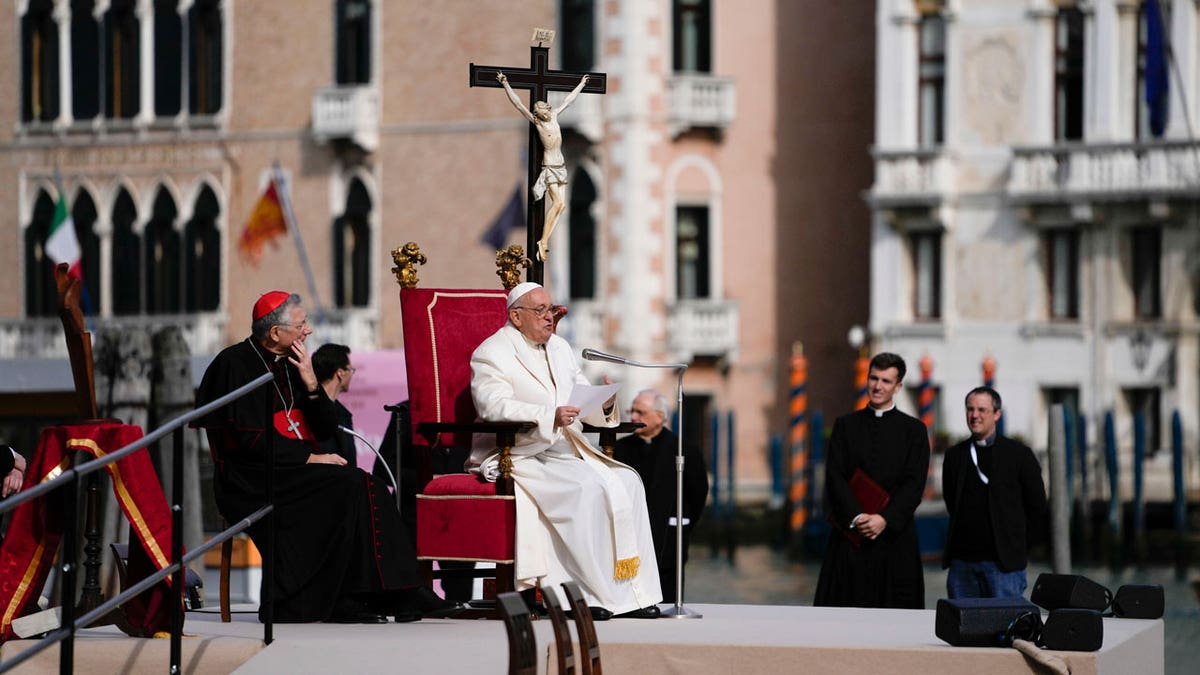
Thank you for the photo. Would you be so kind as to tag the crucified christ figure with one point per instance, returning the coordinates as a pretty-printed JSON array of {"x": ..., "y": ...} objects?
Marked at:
[{"x": 553, "y": 176}]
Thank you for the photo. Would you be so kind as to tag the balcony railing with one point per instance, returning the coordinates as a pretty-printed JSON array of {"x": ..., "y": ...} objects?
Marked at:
[
  {"x": 43, "y": 337},
  {"x": 700, "y": 101},
  {"x": 358, "y": 329},
  {"x": 1162, "y": 168},
  {"x": 703, "y": 327},
  {"x": 914, "y": 175},
  {"x": 347, "y": 112}
]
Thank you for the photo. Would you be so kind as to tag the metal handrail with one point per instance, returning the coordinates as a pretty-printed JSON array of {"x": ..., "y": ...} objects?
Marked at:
[{"x": 70, "y": 478}]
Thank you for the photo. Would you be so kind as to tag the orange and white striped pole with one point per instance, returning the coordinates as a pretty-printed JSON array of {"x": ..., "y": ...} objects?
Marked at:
[
  {"x": 989, "y": 380},
  {"x": 798, "y": 437},
  {"x": 925, "y": 402}
]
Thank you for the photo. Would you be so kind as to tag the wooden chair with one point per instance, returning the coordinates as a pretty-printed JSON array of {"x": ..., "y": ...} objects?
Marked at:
[
  {"x": 522, "y": 643},
  {"x": 562, "y": 634},
  {"x": 589, "y": 646}
]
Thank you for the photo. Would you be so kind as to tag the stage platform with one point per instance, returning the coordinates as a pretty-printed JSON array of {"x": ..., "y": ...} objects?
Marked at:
[{"x": 729, "y": 639}]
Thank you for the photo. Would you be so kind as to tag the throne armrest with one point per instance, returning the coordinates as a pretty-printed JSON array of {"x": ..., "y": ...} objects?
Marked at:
[
  {"x": 608, "y": 435},
  {"x": 506, "y": 437}
]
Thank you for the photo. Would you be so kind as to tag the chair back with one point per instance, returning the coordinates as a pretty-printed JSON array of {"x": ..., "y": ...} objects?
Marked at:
[
  {"x": 442, "y": 328},
  {"x": 589, "y": 645},
  {"x": 562, "y": 634},
  {"x": 522, "y": 643}
]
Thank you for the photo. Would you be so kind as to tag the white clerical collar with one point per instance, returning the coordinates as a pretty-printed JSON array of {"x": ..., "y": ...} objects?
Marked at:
[{"x": 880, "y": 411}]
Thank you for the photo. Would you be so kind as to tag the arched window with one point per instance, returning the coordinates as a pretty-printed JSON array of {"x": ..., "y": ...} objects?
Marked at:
[
  {"x": 83, "y": 213},
  {"x": 85, "y": 60},
  {"x": 127, "y": 252},
  {"x": 168, "y": 58},
  {"x": 161, "y": 259},
  {"x": 352, "y": 250},
  {"x": 40, "y": 293},
  {"x": 202, "y": 255},
  {"x": 122, "y": 39},
  {"x": 582, "y": 229},
  {"x": 204, "y": 66},
  {"x": 39, "y": 63},
  {"x": 353, "y": 41}
]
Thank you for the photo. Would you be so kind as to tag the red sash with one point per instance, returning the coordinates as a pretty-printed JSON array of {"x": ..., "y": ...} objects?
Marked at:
[{"x": 36, "y": 529}]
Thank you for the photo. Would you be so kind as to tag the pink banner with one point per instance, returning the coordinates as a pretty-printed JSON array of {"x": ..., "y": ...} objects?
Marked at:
[{"x": 379, "y": 380}]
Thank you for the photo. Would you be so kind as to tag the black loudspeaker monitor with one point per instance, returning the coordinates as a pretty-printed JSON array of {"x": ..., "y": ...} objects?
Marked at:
[
  {"x": 1139, "y": 601},
  {"x": 1073, "y": 630},
  {"x": 982, "y": 622},
  {"x": 1056, "y": 591}
]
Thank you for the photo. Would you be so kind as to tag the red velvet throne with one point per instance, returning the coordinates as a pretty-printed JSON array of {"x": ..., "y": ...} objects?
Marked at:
[{"x": 460, "y": 517}]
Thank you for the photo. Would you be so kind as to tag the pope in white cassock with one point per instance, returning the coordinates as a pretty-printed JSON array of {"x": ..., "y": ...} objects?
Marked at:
[{"x": 580, "y": 515}]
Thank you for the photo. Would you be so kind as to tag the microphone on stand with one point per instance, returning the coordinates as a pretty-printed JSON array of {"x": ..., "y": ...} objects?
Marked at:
[
  {"x": 593, "y": 355},
  {"x": 678, "y": 611}
]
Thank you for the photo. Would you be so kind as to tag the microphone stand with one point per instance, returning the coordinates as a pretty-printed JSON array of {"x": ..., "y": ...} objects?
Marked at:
[{"x": 678, "y": 611}]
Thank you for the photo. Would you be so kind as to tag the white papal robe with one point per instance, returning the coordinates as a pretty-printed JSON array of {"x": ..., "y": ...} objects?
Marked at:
[{"x": 580, "y": 515}]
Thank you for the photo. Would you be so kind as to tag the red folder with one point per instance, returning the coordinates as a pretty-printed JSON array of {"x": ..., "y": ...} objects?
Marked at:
[{"x": 870, "y": 496}]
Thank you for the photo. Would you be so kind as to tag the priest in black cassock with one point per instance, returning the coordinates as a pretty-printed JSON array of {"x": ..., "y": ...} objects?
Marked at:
[
  {"x": 874, "y": 559},
  {"x": 342, "y": 553},
  {"x": 651, "y": 451}
]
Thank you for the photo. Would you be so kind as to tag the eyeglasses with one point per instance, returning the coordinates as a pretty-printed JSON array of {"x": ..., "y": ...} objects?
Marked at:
[
  {"x": 539, "y": 311},
  {"x": 294, "y": 326},
  {"x": 352, "y": 369}
]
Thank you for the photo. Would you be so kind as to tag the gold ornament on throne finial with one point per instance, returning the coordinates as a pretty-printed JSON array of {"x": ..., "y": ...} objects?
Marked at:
[
  {"x": 509, "y": 262},
  {"x": 407, "y": 257}
]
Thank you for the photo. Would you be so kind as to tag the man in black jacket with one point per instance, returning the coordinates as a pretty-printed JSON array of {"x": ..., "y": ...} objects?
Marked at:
[
  {"x": 651, "y": 451},
  {"x": 997, "y": 503}
]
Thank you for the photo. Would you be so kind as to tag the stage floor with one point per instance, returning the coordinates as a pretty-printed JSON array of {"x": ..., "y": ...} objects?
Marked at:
[{"x": 729, "y": 639}]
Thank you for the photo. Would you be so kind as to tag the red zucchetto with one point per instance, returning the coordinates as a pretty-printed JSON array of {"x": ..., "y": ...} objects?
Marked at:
[{"x": 269, "y": 302}]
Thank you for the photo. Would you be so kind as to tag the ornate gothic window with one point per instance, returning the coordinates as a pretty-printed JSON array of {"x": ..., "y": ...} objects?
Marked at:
[
  {"x": 161, "y": 257},
  {"x": 39, "y": 63},
  {"x": 40, "y": 293},
  {"x": 202, "y": 255},
  {"x": 926, "y": 247},
  {"x": 127, "y": 251},
  {"x": 123, "y": 42},
  {"x": 1062, "y": 272},
  {"x": 931, "y": 79},
  {"x": 205, "y": 75},
  {"x": 168, "y": 58},
  {"x": 85, "y": 60}
]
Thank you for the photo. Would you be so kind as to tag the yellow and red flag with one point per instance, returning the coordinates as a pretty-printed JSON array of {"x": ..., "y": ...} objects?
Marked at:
[{"x": 266, "y": 223}]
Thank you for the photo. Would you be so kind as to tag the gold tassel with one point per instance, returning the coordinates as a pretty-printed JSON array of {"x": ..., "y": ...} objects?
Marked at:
[{"x": 627, "y": 568}]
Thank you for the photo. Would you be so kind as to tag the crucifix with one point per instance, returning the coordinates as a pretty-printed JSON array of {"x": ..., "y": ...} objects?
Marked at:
[
  {"x": 293, "y": 426},
  {"x": 539, "y": 80}
]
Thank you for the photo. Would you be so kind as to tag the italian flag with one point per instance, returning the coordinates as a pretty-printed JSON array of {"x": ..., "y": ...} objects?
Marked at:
[{"x": 62, "y": 245}]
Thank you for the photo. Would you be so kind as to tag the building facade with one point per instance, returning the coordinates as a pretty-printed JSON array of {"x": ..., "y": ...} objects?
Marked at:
[
  {"x": 1034, "y": 205},
  {"x": 705, "y": 222}
]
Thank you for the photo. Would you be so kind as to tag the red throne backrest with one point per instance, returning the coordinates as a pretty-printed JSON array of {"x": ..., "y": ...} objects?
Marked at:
[{"x": 442, "y": 328}]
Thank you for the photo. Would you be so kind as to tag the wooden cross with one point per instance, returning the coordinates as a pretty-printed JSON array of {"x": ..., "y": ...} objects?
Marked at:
[{"x": 539, "y": 80}]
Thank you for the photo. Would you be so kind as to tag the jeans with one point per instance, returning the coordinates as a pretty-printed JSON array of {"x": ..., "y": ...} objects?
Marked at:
[{"x": 983, "y": 579}]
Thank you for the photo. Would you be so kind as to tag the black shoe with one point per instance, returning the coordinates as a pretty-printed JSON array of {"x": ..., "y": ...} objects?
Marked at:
[
  {"x": 598, "y": 614},
  {"x": 353, "y": 611},
  {"x": 651, "y": 612},
  {"x": 427, "y": 603},
  {"x": 408, "y": 616}
]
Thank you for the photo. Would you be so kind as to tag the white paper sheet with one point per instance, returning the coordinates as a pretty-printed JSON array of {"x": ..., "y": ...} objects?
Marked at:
[{"x": 590, "y": 397}]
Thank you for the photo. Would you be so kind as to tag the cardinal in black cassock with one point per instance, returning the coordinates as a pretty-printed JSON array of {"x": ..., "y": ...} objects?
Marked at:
[
  {"x": 342, "y": 553},
  {"x": 882, "y": 566}
]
